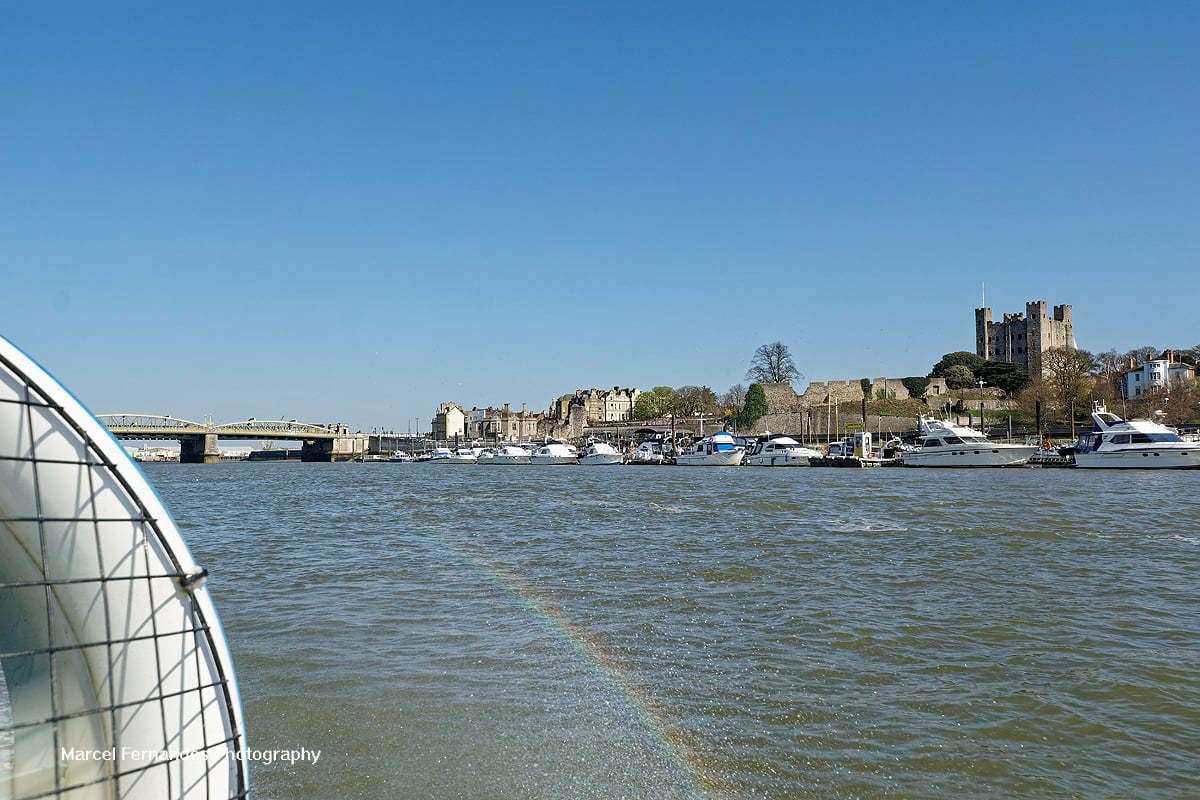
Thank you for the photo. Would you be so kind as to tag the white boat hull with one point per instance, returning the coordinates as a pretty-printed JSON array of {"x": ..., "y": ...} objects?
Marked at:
[
  {"x": 555, "y": 460},
  {"x": 730, "y": 459},
  {"x": 970, "y": 456},
  {"x": 780, "y": 459},
  {"x": 1148, "y": 458},
  {"x": 500, "y": 459},
  {"x": 128, "y": 656},
  {"x": 600, "y": 459}
]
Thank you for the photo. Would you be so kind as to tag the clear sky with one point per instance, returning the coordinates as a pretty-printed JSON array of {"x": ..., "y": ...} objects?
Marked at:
[{"x": 357, "y": 210}]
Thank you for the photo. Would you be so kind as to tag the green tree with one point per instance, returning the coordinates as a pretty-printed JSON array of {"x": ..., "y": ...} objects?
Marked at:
[
  {"x": 755, "y": 407},
  {"x": 916, "y": 386},
  {"x": 1009, "y": 378},
  {"x": 959, "y": 376},
  {"x": 658, "y": 402},
  {"x": 959, "y": 358}
]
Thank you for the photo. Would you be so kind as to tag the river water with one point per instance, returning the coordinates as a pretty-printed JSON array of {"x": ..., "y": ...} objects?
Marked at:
[{"x": 572, "y": 632}]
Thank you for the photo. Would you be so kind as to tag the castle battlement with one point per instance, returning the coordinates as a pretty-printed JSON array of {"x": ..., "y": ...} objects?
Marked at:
[{"x": 1022, "y": 338}]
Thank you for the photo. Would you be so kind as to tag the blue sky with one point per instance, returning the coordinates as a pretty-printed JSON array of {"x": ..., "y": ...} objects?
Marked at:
[{"x": 355, "y": 211}]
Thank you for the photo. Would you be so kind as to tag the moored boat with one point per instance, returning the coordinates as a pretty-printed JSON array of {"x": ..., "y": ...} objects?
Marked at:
[
  {"x": 780, "y": 451},
  {"x": 718, "y": 450},
  {"x": 441, "y": 455},
  {"x": 509, "y": 454},
  {"x": 599, "y": 454},
  {"x": 554, "y": 453},
  {"x": 857, "y": 450},
  {"x": 944, "y": 444},
  {"x": 648, "y": 452},
  {"x": 1115, "y": 443}
]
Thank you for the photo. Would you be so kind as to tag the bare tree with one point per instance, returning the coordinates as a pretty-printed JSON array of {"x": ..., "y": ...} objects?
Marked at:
[
  {"x": 1143, "y": 354},
  {"x": 1111, "y": 366},
  {"x": 772, "y": 363},
  {"x": 1068, "y": 375},
  {"x": 734, "y": 398},
  {"x": 697, "y": 400}
]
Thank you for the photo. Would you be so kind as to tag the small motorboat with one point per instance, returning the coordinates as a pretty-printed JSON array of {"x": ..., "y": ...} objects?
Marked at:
[
  {"x": 718, "y": 450},
  {"x": 509, "y": 454},
  {"x": 648, "y": 452},
  {"x": 555, "y": 453},
  {"x": 599, "y": 454},
  {"x": 780, "y": 451}
]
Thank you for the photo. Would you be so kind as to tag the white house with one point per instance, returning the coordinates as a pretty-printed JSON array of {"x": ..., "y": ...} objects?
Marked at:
[
  {"x": 449, "y": 422},
  {"x": 1154, "y": 375}
]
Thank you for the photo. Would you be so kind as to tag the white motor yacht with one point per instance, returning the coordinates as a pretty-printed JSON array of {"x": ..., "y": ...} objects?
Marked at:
[
  {"x": 1116, "y": 443},
  {"x": 441, "y": 455},
  {"x": 718, "y": 450},
  {"x": 780, "y": 451},
  {"x": 600, "y": 453},
  {"x": 943, "y": 444},
  {"x": 508, "y": 454},
  {"x": 464, "y": 455},
  {"x": 555, "y": 453}
]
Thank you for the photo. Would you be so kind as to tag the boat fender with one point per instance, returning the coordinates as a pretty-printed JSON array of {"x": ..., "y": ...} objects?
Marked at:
[{"x": 193, "y": 580}]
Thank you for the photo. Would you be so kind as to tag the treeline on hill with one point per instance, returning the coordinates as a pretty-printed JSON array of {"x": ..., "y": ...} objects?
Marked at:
[
  {"x": 740, "y": 406},
  {"x": 1072, "y": 380}
]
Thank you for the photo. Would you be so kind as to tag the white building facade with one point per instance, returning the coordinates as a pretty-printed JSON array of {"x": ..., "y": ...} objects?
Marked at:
[{"x": 1154, "y": 375}]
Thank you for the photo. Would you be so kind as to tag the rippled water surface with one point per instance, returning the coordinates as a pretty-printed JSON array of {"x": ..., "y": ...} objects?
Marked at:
[{"x": 622, "y": 632}]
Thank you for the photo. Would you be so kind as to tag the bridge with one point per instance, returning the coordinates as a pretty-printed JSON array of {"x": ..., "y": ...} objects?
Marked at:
[{"x": 198, "y": 440}]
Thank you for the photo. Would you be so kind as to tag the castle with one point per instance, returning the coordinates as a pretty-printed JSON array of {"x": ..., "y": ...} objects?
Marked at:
[{"x": 1022, "y": 338}]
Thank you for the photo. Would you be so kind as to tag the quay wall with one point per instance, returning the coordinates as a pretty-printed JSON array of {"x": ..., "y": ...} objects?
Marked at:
[{"x": 812, "y": 426}]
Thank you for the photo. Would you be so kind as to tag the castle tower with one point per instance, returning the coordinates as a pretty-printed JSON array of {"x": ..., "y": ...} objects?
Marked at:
[
  {"x": 1062, "y": 315},
  {"x": 1021, "y": 339},
  {"x": 983, "y": 319}
]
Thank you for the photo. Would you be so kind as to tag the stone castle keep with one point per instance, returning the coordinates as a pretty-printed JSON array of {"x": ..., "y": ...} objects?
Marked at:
[{"x": 1022, "y": 338}]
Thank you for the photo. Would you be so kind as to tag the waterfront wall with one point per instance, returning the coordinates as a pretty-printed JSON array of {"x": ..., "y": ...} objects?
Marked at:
[{"x": 816, "y": 425}]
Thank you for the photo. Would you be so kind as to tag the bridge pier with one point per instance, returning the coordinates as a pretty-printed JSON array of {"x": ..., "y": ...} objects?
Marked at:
[
  {"x": 341, "y": 448},
  {"x": 199, "y": 449}
]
